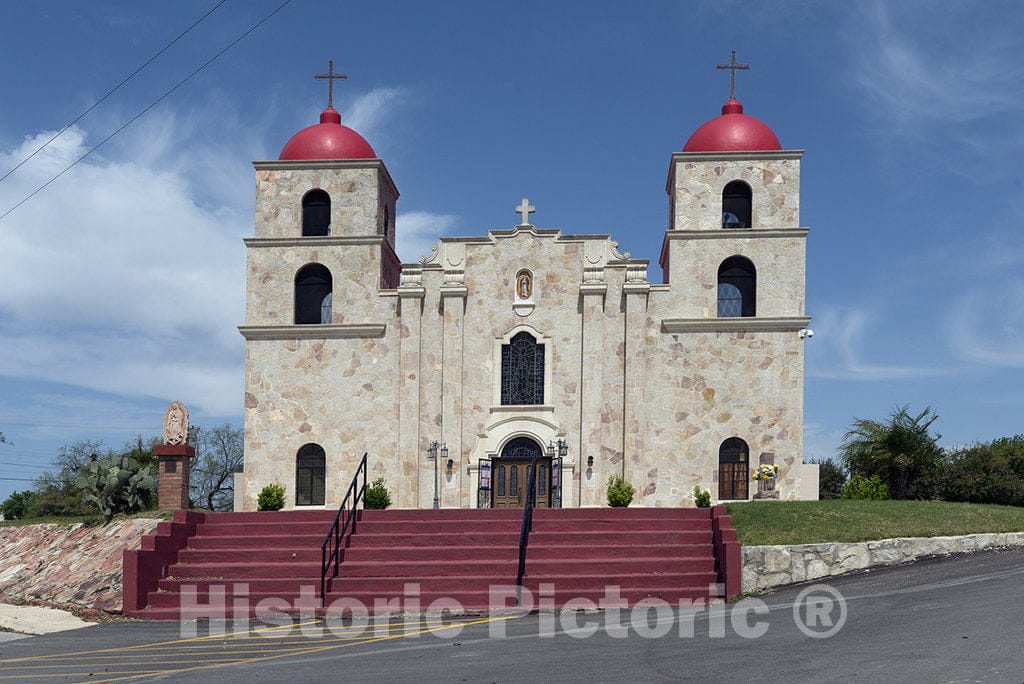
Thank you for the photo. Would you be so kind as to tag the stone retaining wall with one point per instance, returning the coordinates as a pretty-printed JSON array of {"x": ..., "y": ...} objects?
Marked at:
[
  {"x": 771, "y": 566},
  {"x": 68, "y": 564}
]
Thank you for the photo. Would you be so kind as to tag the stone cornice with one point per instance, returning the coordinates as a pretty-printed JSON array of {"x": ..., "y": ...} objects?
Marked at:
[
  {"x": 736, "y": 156},
  {"x": 732, "y": 233},
  {"x": 753, "y": 324},
  {"x": 303, "y": 164},
  {"x": 593, "y": 288},
  {"x": 314, "y": 241},
  {"x": 407, "y": 292},
  {"x": 312, "y": 332},
  {"x": 454, "y": 291},
  {"x": 636, "y": 288},
  {"x": 317, "y": 164}
]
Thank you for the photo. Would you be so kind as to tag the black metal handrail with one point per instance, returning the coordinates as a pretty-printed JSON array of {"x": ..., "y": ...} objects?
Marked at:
[
  {"x": 340, "y": 528},
  {"x": 524, "y": 531}
]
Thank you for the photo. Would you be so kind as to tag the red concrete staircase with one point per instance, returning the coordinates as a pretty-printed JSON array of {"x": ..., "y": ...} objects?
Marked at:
[{"x": 454, "y": 554}]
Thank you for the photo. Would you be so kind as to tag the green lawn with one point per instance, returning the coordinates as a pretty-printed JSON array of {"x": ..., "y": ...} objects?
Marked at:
[
  {"x": 808, "y": 522},
  {"x": 88, "y": 519}
]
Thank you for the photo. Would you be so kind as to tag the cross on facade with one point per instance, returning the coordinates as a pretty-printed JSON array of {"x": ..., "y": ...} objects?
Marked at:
[
  {"x": 525, "y": 209},
  {"x": 732, "y": 66},
  {"x": 330, "y": 77}
]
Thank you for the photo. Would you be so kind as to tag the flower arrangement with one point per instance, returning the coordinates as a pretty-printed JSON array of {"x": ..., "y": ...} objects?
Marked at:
[{"x": 765, "y": 472}]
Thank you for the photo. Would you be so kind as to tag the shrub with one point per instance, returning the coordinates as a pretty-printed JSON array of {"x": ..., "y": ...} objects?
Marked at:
[
  {"x": 831, "y": 478},
  {"x": 701, "y": 497},
  {"x": 900, "y": 450},
  {"x": 271, "y": 498},
  {"x": 620, "y": 492},
  {"x": 15, "y": 505},
  {"x": 117, "y": 484},
  {"x": 861, "y": 488},
  {"x": 57, "y": 501},
  {"x": 990, "y": 473},
  {"x": 377, "y": 495}
]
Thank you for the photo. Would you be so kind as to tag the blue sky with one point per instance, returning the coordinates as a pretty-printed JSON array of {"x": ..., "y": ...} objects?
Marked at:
[{"x": 122, "y": 283}]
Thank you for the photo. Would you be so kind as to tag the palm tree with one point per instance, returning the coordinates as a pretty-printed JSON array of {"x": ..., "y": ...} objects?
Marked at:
[{"x": 899, "y": 451}]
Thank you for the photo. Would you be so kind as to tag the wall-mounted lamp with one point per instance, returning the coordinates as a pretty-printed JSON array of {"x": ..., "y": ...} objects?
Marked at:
[
  {"x": 590, "y": 461},
  {"x": 451, "y": 464}
]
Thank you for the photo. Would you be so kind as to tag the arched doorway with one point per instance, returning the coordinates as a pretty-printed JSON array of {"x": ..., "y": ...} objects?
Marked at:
[{"x": 510, "y": 472}]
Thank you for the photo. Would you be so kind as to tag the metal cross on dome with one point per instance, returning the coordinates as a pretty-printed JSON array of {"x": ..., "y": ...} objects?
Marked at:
[
  {"x": 525, "y": 209},
  {"x": 732, "y": 66},
  {"x": 330, "y": 77}
]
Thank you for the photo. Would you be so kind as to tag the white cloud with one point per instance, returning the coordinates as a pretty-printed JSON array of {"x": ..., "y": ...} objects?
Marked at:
[
  {"x": 417, "y": 231},
  {"x": 370, "y": 111},
  {"x": 837, "y": 345},
  {"x": 371, "y": 114},
  {"x": 942, "y": 82},
  {"x": 986, "y": 326},
  {"x": 127, "y": 274}
]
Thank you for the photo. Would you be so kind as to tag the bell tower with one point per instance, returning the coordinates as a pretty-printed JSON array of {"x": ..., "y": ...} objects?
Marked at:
[
  {"x": 318, "y": 272},
  {"x": 734, "y": 263}
]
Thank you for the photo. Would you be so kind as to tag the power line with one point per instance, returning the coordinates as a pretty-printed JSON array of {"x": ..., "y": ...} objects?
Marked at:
[
  {"x": 81, "y": 425},
  {"x": 113, "y": 90},
  {"x": 151, "y": 105},
  {"x": 24, "y": 465},
  {"x": 17, "y": 479}
]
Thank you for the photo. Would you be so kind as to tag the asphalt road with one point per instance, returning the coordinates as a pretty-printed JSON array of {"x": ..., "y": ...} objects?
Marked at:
[{"x": 958, "y": 619}]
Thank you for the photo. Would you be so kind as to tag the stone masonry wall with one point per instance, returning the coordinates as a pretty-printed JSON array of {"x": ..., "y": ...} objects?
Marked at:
[
  {"x": 771, "y": 566},
  {"x": 699, "y": 181},
  {"x": 68, "y": 564}
]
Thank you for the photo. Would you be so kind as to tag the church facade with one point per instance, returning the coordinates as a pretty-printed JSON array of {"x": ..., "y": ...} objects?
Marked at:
[{"x": 454, "y": 372}]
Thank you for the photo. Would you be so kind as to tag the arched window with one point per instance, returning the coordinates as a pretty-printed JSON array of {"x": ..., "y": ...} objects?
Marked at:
[
  {"x": 522, "y": 371},
  {"x": 310, "y": 468},
  {"x": 316, "y": 213},
  {"x": 313, "y": 286},
  {"x": 737, "y": 288},
  {"x": 733, "y": 470},
  {"x": 736, "y": 205}
]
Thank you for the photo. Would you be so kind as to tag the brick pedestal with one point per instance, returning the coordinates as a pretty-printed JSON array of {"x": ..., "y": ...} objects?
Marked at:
[{"x": 172, "y": 487}]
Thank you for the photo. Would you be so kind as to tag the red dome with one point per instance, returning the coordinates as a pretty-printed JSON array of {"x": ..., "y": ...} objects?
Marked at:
[
  {"x": 734, "y": 131},
  {"x": 327, "y": 140}
]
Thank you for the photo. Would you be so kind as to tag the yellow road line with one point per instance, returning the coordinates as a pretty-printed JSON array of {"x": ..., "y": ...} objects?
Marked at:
[
  {"x": 226, "y": 636},
  {"x": 77, "y": 674},
  {"x": 308, "y": 651}
]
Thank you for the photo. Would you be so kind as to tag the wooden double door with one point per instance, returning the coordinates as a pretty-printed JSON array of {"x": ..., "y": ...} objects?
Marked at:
[{"x": 510, "y": 475}]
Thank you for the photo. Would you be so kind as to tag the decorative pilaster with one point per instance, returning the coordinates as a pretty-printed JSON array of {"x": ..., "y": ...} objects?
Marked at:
[
  {"x": 636, "y": 290},
  {"x": 411, "y": 295},
  {"x": 593, "y": 416},
  {"x": 453, "y": 302}
]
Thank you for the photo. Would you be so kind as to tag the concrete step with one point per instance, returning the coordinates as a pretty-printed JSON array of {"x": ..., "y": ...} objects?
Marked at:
[{"x": 168, "y": 605}]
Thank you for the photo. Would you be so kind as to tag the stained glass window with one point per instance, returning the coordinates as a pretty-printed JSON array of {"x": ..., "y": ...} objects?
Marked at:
[{"x": 522, "y": 371}]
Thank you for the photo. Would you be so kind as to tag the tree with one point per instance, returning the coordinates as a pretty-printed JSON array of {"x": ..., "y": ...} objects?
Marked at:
[
  {"x": 901, "y": 451},
  {"x": 831, "y": 478},
  {"x": 218, "y": 457},
  {"x": 57, "y": 492},
  {"x": 15, "y": 505}
]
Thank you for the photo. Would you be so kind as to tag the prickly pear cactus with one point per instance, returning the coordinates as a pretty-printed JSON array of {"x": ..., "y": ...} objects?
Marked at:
[{"x": 117, "y": 484}]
